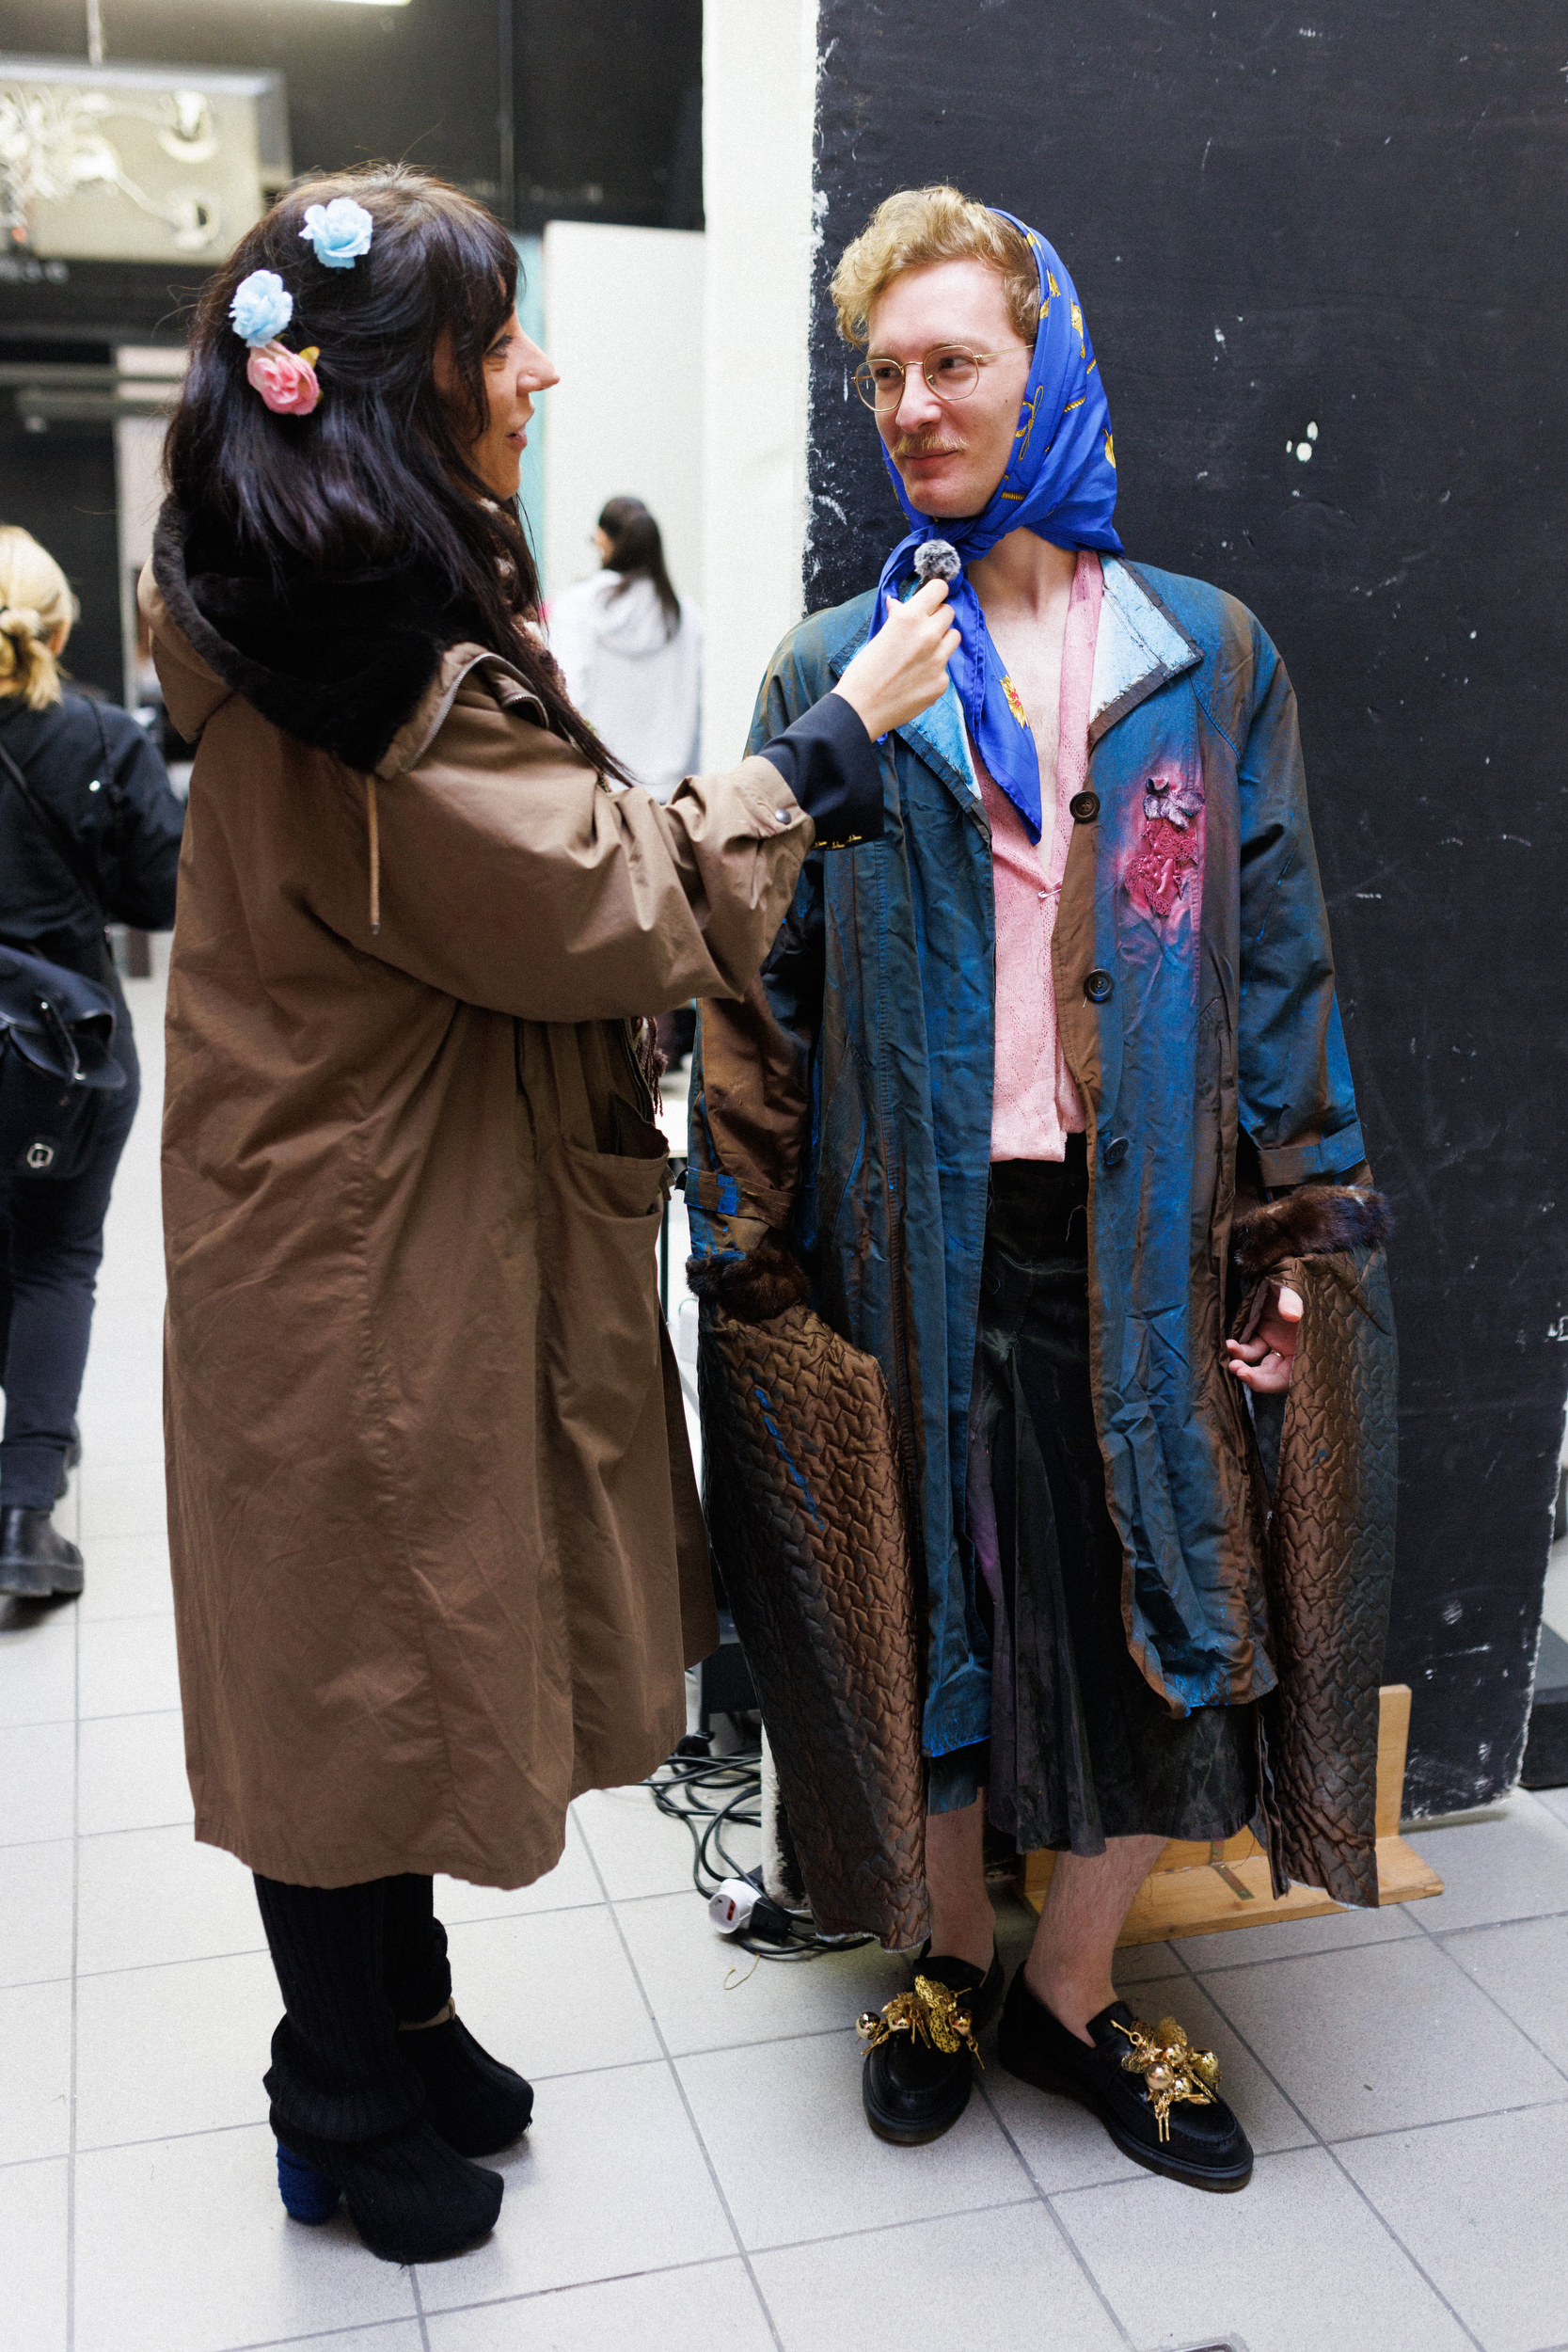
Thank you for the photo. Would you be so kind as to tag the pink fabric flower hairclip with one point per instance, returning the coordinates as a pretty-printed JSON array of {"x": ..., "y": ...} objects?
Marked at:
[{"x": 285, "y": 379}]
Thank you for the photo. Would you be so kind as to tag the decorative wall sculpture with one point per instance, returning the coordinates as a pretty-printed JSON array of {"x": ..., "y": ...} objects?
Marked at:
[{"x": 135, "y": 163}]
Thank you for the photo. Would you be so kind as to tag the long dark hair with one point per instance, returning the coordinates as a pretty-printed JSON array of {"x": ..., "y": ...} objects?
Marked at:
[
  {"x": 637, "y": 552},
  {"x": 376, "y": 479}
]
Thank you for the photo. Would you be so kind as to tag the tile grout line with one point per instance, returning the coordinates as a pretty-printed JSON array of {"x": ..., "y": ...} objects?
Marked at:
[
  {"x": 1439, "y": 1942},
  {"x": 1487, "y": 1994},
  {"x": 346, "y": 2336},
  {"x": 76, "y": 1939},
  {"x": 1434, "y": 1933},
  {"x": 1063, "y": 2232},
  {"x": 740, "y": 2246},
  {"x": 1384, "y": 2222},
  {"x": 1327, "y": 2148},
  {"x": 568, "y": 2286},
  {"x": 419, "y": 2307}
]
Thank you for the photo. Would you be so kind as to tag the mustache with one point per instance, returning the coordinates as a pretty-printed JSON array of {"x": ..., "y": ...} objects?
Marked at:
[{"x": 921, "y": 445}]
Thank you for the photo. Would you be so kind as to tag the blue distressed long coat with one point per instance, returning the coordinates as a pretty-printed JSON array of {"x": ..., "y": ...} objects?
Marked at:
[{"x": 848, "y": 1100}]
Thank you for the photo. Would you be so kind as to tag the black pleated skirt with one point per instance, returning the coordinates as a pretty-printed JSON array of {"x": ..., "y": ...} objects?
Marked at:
[{"x": 1080, "y": 1748}]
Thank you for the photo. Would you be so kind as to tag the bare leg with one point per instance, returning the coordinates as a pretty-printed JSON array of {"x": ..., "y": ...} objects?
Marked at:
[
  {"x": 963, "y": 1925},
  {"x": 1068, "y": 1966}
]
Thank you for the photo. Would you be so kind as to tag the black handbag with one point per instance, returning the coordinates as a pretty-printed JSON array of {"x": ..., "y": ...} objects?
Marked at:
[{"x": 56, "y": 1038}]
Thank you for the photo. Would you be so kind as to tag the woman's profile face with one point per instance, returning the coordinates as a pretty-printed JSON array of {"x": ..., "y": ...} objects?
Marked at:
[{"x": 515, "y": 370}]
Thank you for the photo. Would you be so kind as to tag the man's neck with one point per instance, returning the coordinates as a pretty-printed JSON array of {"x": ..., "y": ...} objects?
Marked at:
[
  {"x": 1025, "y": 578},
  {"x": 1025, "y": 586}
]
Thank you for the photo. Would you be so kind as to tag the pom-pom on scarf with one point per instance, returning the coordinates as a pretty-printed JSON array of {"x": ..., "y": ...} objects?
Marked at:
[{"x": 1060, "y": 482}]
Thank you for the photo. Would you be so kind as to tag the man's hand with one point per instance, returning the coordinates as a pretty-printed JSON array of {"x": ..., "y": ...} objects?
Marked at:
[
  {"x": 904, "y": 668},
  {"x": 1266, "y": 1362}
]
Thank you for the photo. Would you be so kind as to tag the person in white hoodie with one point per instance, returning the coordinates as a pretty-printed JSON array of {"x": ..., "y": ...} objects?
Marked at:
[{"x": 631, "y": 651}]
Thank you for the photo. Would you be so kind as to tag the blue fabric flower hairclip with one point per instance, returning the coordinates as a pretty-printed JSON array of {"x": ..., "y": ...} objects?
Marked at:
[
  {"x": 340, "y": 232},
  {"x": 261, "y": 307}
]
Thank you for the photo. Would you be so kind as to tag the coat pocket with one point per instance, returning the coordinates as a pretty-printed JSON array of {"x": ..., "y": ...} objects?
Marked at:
[{"x": 600, "y": 1264}]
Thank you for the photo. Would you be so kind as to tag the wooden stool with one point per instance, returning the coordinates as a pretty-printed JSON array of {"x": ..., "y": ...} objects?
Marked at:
[{"x": 1204, "y": 1891}]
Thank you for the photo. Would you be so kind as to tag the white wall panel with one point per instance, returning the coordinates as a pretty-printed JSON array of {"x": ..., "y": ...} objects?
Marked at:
[
  {"x": 759, "y": 84},
  {"x": 623, "y": 324}
]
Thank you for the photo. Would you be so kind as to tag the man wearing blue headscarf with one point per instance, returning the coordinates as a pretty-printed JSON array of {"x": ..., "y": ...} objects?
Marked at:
[{"x": 1021, "y": 1087}]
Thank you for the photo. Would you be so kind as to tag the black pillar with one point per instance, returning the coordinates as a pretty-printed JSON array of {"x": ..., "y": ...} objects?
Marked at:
[{"x": 1350, "y": 220}]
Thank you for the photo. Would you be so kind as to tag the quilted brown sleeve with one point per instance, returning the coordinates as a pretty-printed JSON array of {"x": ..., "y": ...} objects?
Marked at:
[
  {"x": 805, "y": 1507},
  {"x": 1330, "y": 1566}
]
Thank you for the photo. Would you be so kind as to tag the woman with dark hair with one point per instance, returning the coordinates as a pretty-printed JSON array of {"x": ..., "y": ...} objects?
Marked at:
[
  {"x": 631, "y": 651},
  {"x": 437, "y": 1555}
]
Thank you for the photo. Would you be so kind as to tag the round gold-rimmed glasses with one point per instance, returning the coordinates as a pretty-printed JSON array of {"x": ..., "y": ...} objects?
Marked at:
[{"x": 952, "y": 374}]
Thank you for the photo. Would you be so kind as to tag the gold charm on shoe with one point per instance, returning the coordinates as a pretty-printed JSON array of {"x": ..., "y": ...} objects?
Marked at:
[
  {"x": 1172, "y": 2069},
  {"x": 931, "y": 2013}
]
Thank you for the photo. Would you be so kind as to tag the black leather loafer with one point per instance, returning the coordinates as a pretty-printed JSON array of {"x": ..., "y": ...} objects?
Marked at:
[
  {"x": 919, "y": 2069},
  {"x": 36, "y": 1560},
  {"x": 1164, "y": 2111}
]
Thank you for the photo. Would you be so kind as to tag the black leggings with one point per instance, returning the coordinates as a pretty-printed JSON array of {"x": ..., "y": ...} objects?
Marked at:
[
  {"x": 353, "y": 1963},
  {"x": 51, "y": 1246}
]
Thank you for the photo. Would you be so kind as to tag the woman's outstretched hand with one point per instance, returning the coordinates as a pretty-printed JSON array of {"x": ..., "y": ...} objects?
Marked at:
[
  {"x": 904, "y": 668},
  {"x": 1266, "y": 1362}
]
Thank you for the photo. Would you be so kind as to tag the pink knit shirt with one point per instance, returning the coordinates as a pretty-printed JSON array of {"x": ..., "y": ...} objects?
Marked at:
[{"x": 1035, "y": 1106}]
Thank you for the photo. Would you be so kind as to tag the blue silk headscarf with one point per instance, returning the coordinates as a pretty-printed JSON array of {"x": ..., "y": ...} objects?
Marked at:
[{"x": 1060, "y": 482}]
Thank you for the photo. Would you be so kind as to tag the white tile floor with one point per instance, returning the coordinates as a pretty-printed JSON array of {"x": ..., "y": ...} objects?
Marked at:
[{"x": 699, "y": 2172}]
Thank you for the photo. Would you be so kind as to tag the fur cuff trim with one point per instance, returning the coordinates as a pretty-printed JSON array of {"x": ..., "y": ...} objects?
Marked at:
[
  {"x": 1312, "y": 1221},
  {"x": 756, "y": 1288}
]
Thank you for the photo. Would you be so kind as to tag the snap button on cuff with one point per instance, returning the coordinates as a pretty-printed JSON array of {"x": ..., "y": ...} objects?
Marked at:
[{"x": 1099, "y": 987}]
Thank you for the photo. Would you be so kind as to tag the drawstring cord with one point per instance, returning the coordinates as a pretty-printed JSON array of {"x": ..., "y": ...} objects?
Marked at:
[{"x": 376, "y": 855}]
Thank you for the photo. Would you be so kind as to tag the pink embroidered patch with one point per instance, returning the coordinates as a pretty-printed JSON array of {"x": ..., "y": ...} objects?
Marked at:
[{"x": 1171, "y": 847}]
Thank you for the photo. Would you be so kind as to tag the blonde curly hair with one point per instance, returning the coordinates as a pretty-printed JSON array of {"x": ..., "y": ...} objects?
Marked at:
[
  {"x": 35, "y": 603},
  {"x": 919, "y": 226}
]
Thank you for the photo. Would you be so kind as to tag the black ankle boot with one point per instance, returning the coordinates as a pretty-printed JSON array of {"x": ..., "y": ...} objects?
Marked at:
[
  {"x": 476, "y": 2104},
  {"x": 919, "y": 2069},
  {"x": 1163, "y": 2110},
  {"x": 411, "y": 2198},
  {"x": 36, "y": 1560}
]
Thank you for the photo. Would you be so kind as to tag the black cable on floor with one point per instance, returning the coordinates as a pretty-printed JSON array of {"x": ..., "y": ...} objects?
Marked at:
[{"x": 711, "y": 1794}]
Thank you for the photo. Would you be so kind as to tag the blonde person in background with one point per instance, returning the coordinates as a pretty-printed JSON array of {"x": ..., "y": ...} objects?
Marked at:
[
  {"x": 631, "y": 650},
  {"x": 89, "y": 833}
]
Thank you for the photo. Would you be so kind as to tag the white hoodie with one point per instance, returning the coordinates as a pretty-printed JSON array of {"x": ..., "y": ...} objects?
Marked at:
[{"x": 641, "y": 689}]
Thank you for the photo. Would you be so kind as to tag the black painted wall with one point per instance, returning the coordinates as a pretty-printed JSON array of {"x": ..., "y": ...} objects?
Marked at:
[
  {"x": 60, "y": 485},
  {"x": 1351, "y": 216}
]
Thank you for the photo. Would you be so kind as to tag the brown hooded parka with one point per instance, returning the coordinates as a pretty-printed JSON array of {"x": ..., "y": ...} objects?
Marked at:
[{"x": 437, "y": 1548}]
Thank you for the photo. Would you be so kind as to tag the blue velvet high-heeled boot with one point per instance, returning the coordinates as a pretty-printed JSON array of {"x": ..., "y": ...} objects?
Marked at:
[{"x": 350, "y": 2113}]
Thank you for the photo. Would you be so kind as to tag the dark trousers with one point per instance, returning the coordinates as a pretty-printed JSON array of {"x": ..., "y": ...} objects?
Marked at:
[
  {"x": 1080, "y": 1748},
  {"x": 51, "y": 1246},
  {"x": 353, "y": 1963}
]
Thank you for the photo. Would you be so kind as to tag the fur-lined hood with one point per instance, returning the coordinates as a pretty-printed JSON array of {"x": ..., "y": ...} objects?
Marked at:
[{"x": 340, "y": 664}]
